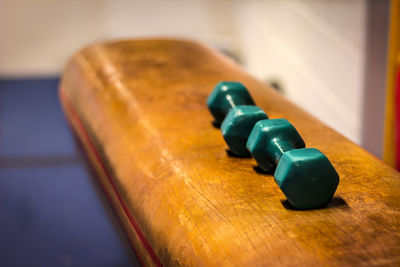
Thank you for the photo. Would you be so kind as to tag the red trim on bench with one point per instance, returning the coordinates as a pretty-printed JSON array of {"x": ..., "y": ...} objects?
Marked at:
[{"x": 131, "y": 219}]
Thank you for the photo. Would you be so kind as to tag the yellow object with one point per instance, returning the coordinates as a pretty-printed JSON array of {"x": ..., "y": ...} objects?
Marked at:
[{"x": 389, "y": 152}]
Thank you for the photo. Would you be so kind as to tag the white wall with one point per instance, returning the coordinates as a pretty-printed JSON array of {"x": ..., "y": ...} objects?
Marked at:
[
  {"x": 36, "y": 37},
  {"x": 316, "y": 48}
]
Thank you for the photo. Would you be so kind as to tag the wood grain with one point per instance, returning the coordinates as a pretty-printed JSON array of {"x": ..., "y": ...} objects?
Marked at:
[{"x": 140, "y": 107}]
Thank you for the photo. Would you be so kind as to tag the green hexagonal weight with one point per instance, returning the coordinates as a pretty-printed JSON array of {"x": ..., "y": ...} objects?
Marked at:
[
  {"x": 225, "y": 96},
  {"x": 237, "y": 126},
  {"x": 307, "y": 178}
]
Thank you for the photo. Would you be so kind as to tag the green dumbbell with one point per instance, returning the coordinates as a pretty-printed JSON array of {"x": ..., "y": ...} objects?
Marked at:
[
  {"x": 237, "y": 126},
  {"x": 305, "y": 175},
  {"x": 225, "y": 96}
]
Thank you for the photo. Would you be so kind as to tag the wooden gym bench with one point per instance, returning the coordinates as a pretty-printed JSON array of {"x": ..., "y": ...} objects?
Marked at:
[{"x": 139, "y": 109}]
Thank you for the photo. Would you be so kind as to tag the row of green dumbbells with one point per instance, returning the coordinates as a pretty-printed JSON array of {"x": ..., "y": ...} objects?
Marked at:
[{"x": 305, "y": 175}]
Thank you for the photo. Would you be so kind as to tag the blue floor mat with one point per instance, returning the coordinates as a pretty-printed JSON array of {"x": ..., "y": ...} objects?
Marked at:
[{"x": 53, "y": 212}]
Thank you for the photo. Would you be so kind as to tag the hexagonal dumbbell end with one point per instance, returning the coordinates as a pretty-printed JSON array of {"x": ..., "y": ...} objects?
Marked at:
[
  {"x": 269, "y": 139},
  {"x": 307, "y": 178},
  {"x": 225, "y": 96},
  {"x": 237, "y": 126}
]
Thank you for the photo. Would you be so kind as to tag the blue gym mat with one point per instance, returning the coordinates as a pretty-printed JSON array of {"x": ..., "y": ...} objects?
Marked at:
[{"x": 52, "y": 209}]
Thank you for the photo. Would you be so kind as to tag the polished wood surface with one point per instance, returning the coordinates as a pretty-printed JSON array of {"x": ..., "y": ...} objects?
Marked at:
[{"x": 139, "y": 109}]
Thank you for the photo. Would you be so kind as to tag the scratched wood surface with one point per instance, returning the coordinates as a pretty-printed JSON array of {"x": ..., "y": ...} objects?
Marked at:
[{"x": 139, "y": 108}]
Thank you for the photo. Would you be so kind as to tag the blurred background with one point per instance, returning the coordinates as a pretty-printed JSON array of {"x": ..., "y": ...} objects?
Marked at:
[
  {"x": 336, "y": 59},
  {"x": 327, "y": 56}
]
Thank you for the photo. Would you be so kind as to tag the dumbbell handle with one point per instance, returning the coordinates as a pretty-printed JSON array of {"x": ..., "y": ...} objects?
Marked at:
[
  {"x": 270, "y": 140},
  {"x": 277, "y": 147},
  {"x": 232, "y": 101}
]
